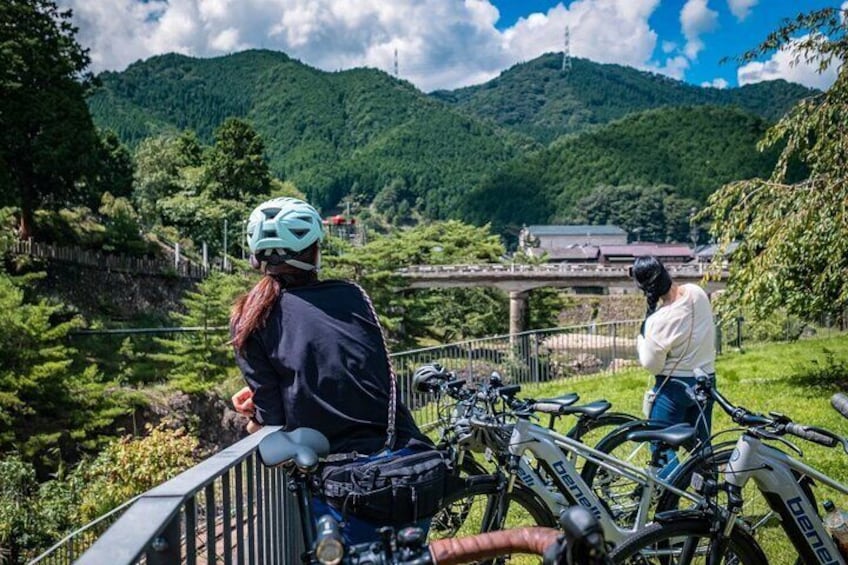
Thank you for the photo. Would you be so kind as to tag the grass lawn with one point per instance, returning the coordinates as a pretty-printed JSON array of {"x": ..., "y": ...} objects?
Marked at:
[{"x": 796, "y": 379}]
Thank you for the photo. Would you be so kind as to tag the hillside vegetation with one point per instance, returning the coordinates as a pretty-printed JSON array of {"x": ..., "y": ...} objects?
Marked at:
[
  {"x": 333, "y": 134},
  {"x": 364, "y": 137},
  {"x": 694, "y": 149},
  {"x": 538, "y": 99}
]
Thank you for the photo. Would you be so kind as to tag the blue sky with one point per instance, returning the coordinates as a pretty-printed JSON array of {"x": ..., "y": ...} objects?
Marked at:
[{"x": 452, "y": 43}]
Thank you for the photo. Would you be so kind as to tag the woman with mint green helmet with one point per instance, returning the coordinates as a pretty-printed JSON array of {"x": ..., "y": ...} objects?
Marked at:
[{"x": 313, "y": 353}]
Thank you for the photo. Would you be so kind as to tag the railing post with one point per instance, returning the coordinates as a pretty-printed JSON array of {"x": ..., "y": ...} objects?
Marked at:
[
  {"x": 718, "y": 338},
  {"x": 614, "y": 345},
  {"x": 536, "y": 366},
  {"x": 165, "y": 548}
]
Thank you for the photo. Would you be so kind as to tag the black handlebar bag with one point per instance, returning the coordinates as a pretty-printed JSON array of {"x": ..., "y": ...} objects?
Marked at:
[{"x": 394, "y": 490}]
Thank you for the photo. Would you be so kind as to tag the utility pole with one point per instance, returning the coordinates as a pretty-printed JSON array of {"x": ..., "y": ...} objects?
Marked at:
[
  {"x": 566, "y": 51},
  {"x": 396, "y": 64},
  {"x": 224, "y": 263}
]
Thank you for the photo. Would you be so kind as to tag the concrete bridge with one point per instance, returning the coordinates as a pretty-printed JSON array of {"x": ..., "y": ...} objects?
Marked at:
[{"x": 519, "y": 279}]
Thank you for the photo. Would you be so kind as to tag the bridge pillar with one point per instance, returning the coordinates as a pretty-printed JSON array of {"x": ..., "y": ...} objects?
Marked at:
[{"x": 518, "y": 311}]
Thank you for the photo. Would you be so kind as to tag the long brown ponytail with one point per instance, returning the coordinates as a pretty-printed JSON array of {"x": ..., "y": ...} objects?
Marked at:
[{"x": 251, "y": 310}]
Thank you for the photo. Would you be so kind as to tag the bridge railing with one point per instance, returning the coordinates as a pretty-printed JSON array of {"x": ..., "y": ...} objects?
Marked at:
[{"x": 689, "y": 269}]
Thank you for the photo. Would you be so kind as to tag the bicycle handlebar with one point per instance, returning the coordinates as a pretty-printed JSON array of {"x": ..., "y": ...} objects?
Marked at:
[
  {"x": 810, "y": 434},
  {"x": 781, "y": 424},
  {"x": 534, "y": 540},
  {"x": 581, "y": 543},
  {"x": 840, "y": 402}
]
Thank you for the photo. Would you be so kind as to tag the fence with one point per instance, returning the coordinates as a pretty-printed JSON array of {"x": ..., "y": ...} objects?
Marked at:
[
  {"x": 120, "y": 263},
  {"x": 228, "y": 508}
]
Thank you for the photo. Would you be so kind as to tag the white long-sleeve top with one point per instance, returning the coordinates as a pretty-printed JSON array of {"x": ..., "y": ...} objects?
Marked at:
[{"x": 666, "y": 348}]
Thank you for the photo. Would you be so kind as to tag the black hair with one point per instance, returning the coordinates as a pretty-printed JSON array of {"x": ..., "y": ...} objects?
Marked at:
[{"x": 652, "y": 278}]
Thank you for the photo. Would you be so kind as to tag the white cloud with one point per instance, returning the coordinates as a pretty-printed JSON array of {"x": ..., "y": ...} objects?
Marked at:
[
  {"x": 741, "y": 8},
  {"x": 696, "y": 18},
  {"x": 668, "y": 46},
  {"x": 440, "y": 43},
  {"x": 675, "y": 67},
  {"x": 782, "y": 64},
  {"x": 719, "y": 83}
]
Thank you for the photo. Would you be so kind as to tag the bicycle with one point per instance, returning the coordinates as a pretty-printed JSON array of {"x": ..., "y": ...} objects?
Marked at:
[
  {"x": 300, "y": 451},
  {"x": 713, "y": 531},
  {"x": 543, "y": 460}
]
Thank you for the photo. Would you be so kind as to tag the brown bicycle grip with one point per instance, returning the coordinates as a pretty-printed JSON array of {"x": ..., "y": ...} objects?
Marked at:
[{"x": 533, "y": 540}]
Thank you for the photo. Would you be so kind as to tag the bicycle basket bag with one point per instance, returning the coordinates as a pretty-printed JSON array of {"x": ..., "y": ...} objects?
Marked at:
[{"x": 394, "y": 490}]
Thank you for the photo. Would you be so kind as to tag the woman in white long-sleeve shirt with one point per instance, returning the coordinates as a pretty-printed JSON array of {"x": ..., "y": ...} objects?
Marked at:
[{"x": 677, "y": 338}]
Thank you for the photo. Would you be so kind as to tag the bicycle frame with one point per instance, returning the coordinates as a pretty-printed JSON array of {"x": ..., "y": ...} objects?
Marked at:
[
  {"x": 771, "y": 470},
  {"x": 547, "y": 447}
]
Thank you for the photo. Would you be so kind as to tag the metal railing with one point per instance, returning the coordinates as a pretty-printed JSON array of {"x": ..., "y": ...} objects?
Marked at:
[
  {"x": 529, "y": 357},
  {"x": 229, "y": 508}
]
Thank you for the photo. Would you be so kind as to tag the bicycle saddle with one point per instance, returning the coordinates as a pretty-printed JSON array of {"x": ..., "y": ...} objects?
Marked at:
[
  {"x": 672, "y": 436},
  {"x": 303, "y": 447},
  {"x": 593, "y": 409}
]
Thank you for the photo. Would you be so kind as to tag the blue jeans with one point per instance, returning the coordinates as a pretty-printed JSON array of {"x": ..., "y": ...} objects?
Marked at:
[
  {"x": 355, "y": 530},
  {"x": 674, "y": 406}
]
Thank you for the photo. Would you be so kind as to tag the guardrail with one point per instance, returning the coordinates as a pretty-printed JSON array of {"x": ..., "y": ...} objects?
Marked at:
[{"x": 229, "y": 508}]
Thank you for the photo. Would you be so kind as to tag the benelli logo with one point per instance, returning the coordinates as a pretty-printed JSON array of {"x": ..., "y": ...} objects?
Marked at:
[
  {"x": 566, "y": 477},
  {"x": 525, "y": 477},
  {"x": 809, "y": 531}
]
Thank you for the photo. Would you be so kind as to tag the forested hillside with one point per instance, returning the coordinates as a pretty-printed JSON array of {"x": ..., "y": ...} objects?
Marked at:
[
  {"x": 695, "y": 150},
  {"x": 538, "y": 99},
  {"x": 332, "y": 134}
]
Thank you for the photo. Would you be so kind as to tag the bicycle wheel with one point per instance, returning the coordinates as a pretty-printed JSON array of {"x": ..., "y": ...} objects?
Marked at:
[
  {"x": 485, "y": 507},
  {"x": 620, "y": 494},
  {"x": 592, "y": 430},
  {"x": 681, "y": 538},
  {"x": 764, "y": 524}
]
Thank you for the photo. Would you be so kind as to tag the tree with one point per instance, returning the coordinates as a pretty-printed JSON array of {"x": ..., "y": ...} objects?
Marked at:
[
  {"x": 115, "y": 168},
  {"x": 203, "y": 359},
  {"x": 236, "y": 164},
  {"x": 48, "y": 142},
  {"x": 163, "y": 167},
  {"x": 410, "y": 315},
  {"x": 793, "y": 236}
]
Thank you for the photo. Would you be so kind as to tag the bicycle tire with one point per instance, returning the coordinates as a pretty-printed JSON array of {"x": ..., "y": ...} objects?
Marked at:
[
  {"x": 610, "y": 419},
  {"x": 709, "y": 463},
  {"x": 657, "y": 542},
  {"x": 610, "y": 442},
  {"x": 522, "y": 508}
]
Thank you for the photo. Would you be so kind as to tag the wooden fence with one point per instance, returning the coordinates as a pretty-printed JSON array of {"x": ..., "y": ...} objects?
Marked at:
[{"x": 111, "y": 262}]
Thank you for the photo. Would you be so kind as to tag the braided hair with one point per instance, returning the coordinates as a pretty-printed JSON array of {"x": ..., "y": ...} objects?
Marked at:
[{"x": 652, "y": 278}]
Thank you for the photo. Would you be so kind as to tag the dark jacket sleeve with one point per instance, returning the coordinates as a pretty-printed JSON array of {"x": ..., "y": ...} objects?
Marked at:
[{"x": 263, "y": 381}]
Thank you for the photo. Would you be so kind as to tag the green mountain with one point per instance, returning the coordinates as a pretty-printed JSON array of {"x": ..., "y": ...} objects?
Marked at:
[
  {"x": 694, "y": 149},
  {"x": 358, "y": 131},
  {"x": 538, "y": 99},
  {"x": 469, "y": 153}
]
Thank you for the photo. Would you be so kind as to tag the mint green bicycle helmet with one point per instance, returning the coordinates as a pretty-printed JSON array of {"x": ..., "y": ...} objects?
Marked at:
[{"x": 283, "y": 227}]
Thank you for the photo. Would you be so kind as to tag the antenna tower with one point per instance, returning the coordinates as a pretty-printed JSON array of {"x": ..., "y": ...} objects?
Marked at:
[
  {"x": 566, "y": 51},
  {"x": 396, "y": 63}
]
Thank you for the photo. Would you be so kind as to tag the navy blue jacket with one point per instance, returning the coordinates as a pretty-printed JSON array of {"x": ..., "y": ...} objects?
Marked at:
[{"x": 320, "y": 361}]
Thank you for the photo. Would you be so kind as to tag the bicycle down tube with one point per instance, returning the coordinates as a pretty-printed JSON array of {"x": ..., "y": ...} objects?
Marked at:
[
  {"x": 546, "y": 447},
  {"x": 771, "y": 470}
]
